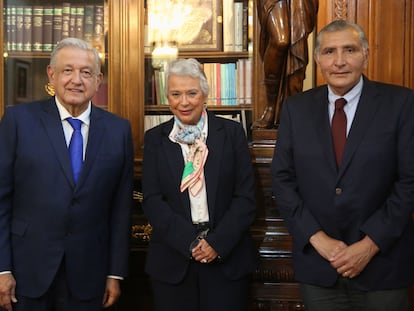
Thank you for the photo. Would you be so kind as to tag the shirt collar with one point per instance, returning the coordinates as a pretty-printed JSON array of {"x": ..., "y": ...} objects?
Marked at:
[
  {"x": 351, "y": 96},
  {"x": 85, "y": 116}
]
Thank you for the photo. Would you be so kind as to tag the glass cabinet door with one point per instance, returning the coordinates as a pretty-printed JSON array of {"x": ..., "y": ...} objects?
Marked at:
[{"x": 30, "y": 31}]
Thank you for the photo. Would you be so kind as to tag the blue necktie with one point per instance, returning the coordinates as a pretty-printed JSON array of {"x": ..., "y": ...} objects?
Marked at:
[{"x": 76, "y": 147}]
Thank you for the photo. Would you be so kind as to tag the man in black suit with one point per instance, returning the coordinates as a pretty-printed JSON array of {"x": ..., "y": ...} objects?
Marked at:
[
  {"x": 350, "y": 218},
  {"x": 64, "y": 240}
]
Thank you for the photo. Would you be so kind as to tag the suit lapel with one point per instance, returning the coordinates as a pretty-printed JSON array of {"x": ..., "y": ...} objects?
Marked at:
[
  {"x": 96, "y": 133},
  {"x": 215, "y": 144},
  {"x": 174, "y": 158},
  {"x": 322, "y": 125},
  {"x": 365, "y": 113},
  {"x": 53, "y": 125}
]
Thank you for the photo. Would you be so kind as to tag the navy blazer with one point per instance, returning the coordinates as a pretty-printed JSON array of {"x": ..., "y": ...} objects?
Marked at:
[
  {"x": 230, "y": 195},
  {"x": 372, "y": 193},
  {"x": 44, "y": 216}
]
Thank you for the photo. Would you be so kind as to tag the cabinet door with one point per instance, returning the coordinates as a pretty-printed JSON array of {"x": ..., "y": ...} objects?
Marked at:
[
  {"x": 216, "y": 33},
  {"x": 30, "y": 30}
]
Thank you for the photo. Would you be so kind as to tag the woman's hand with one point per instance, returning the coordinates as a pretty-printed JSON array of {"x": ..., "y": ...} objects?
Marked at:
[{"x": 203, "y": 252}]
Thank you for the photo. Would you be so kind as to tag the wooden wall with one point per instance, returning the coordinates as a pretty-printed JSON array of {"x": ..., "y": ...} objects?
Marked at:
[{"x": 389, "y": 25}]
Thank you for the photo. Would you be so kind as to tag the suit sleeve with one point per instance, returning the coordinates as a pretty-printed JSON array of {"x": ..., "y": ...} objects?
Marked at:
[
  {"x": 386, "y": 225},
  {"x": 163, "y": 203},
  {"x": 301, "y": 223},
  {"x": 7, "y": 143},
  {"x": 239, "y": 214},
  {"x": 121, "y": 212}
]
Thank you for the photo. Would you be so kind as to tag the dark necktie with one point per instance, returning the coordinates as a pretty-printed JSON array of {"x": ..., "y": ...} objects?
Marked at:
[
  {"x": 76, "y": 147},
  {"x": 339, "y": 129}
]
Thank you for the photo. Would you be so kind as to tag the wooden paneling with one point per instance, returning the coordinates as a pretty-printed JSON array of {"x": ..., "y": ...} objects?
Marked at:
[
  {"x": 389, "y": 25},
  {"x": 126, "y": 70}
]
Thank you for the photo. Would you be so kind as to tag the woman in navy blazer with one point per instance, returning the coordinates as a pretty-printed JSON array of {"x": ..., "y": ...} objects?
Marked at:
[{"x": 198, "y": 192}]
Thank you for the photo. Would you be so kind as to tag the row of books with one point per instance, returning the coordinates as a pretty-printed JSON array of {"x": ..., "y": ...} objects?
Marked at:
[
  {"x": 39, "y": 28},
  {"x": 230, "y": 84},
  {"x": 235, "y": 26}
]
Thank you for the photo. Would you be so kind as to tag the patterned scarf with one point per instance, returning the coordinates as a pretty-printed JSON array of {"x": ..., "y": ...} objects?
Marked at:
[{"x": 193, "y": 174}]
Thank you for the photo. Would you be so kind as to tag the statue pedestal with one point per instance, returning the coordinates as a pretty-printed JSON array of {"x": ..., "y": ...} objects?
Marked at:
[
  {"x": 274, "y": 286},
  {"x": 264, "y": 136}
]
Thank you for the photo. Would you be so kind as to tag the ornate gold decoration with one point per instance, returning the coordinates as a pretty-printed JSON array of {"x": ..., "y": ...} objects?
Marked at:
[
  {"x": 141, "y": 232},
  {"x": 49, "y": 88},
  {"x": 136, "y": 195}
]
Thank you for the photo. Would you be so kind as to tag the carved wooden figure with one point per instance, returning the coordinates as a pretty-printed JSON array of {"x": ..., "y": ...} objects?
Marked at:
[{"x": 285, "y": 26}]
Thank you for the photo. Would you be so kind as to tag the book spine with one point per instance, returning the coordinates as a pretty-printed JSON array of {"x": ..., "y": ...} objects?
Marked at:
[
  {"x": 238, "y": 26},
  {"x": 218, "y": 83},
  {"x": 65, "y": 19},
  {"x": 228, "y": 25},
  {"x": 27, "y": 28},
  {"x": 57, "y": 24},
  {"x": 245, "y": 28},
  {"x": 37, "y": 28},
  {"x": 12, "y": 29},
  {"x": 209, "y": 75},
  {"x": 248, "y": 82},
  {"x": 157, "y": 86},
  {"x": 99, "y": 28},
  {"x": 72, "y": 21},
  {"x": 19, "y": 28},
  {"x": 88, "y": 23},
  {"x": 79, "y": 27},
  {"x": 231, "y": 80},
  {"x": 47, "y": 28}
]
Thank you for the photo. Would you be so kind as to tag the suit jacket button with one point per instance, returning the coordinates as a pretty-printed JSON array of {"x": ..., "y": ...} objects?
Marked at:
[{"x": 338, "y": 191}]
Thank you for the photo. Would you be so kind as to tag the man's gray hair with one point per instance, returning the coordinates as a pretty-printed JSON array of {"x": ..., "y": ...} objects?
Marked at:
[
  {"x": 339, "y": 25},
  {"x": 74, "y": 43}
]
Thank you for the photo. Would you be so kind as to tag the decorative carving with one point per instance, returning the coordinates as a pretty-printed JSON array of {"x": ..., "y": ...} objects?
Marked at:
[
  {"x": 285, "y": 26},
  {"x": 141, "y": 233},
  {"x": 137, "y": 195},
  {"x": 341, "y": 9}
]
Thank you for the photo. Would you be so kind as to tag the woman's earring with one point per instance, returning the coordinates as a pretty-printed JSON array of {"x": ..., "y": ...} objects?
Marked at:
[{"x": 50, "y": 89}]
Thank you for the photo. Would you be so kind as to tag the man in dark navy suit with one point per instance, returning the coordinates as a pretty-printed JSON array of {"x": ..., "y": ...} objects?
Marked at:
[
  {"x": 350, "y": 211},
  {"x": 63, "y": 239}
]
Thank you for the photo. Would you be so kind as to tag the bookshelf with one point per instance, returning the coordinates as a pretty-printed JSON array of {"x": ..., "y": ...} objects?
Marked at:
[
  {"x": 218, "y": 35},
  {"x": 32, "y": 29}
]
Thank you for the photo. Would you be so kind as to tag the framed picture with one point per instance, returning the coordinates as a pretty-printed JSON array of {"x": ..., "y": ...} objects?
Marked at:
[
  {"x": 202, "y": 27},
  {"x": 22, "y": 82}
]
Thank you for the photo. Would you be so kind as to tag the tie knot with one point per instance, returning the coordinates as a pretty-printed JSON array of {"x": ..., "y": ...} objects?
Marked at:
[
  {"x": 340, "y": 103},
  {"x": 75, "y": 123}
]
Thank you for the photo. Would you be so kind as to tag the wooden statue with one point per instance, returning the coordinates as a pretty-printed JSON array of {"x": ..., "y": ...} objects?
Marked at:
[{"x": 285, "y": 26}]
